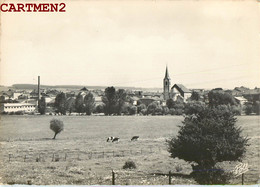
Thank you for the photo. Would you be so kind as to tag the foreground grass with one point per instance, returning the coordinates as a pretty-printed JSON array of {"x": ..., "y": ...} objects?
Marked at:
[{"x": 81, "y": 155}]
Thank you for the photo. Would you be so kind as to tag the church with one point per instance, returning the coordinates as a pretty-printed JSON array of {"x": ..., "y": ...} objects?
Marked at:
[{"x": 177, "y": 91}]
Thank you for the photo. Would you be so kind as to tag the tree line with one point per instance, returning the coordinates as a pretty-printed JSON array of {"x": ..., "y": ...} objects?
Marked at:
[{"x": 117, "y": 102}]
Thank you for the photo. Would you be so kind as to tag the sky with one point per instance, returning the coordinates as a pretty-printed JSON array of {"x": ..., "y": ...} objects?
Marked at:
[{"x": 206, "y": 44}]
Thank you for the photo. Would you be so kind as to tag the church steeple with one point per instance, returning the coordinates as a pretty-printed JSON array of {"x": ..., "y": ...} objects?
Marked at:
[
  {"x": 166, "y": 85},
  {"x": 166, "y": 73}
]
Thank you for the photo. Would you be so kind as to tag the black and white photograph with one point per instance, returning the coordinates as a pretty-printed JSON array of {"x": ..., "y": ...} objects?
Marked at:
[{"x": 148, "y": 92}]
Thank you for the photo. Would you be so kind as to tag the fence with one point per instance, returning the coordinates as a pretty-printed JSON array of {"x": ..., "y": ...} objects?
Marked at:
[
  {"x": 169, "y": 177},
  {"x": 116, "y": 177},
  {"x": 77, "y": 155}
]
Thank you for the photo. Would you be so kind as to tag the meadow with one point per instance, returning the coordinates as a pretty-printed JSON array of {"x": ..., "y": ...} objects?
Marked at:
[{"x": 81, "y": 154}]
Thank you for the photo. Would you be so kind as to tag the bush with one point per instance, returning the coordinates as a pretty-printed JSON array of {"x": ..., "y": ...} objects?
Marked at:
[
  {"x": 248, "y": 108},
  {"x": 140, "y": 108},
  {"x": 129, "y": 165},
  {"x": 213, "y": 175},
  {"x": 132, "y": 110},
  {"x": 165, "y": 110},
  {"x": 19, "y": 113},
  {"x": 236, "y": 110},
  {"x": 99, "y": 108},
  {"x": 57, "y": 126},
  {"x": 179, "y": 112},
  {"x": 178, "y": 168},
  {"x": 172, "y": 111},
  {"x": 206, "y": 138},
  {"x": 194, "y": 107},
  {"x": 256, "y": 107},
  {"x": 143, "y": 111}
]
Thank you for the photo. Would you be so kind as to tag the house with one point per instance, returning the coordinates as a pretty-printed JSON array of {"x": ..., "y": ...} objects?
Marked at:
[
  {"x": 178, "y": 90},
  {"x": 15, "y": 107},
  {"x": 241, "y": 100}
]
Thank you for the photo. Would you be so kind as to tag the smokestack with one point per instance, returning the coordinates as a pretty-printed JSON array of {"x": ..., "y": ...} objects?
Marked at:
[{"x": 39, "y": 94}]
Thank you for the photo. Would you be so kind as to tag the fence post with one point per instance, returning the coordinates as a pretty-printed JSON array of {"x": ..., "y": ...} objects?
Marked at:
[
  {"x": 243, "y": 179},
  {"x": 113, "y": 154},
  {"x": 65, "y": 156},
  {"x": 24, "y": 158},
  {"x": 52, "y": 157},
  {"x": 113, "y": 177},
  {"x": 170, "y": 177},
  {"x": 10, "y": 157},
  {"x": 103, "y": 154}
]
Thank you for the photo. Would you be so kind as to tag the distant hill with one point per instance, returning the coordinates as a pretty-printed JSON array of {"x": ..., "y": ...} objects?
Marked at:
[{"x": 78, "y": 87}]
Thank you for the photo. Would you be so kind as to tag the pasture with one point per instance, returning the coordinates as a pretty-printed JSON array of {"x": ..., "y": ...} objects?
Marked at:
[{"x": 81, "y": 154}]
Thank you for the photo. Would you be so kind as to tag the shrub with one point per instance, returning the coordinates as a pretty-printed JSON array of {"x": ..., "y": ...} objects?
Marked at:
[
  {"x": 165, "y": 110},
  {"x": 178, "y": 112},
  {"x": 213, "y": 175},
  {"x": 99, "y": 108},
  {"x": 194, "y": 107},
  {"x": 178, "y": 168},
  {"x": 56, "y": 126},
  {"x": 129, "y": 165},
  {"x": 19, "y": 113},
  {"x": 172, "y": 111},
  {"x": 236, "y": 110},
  {"x": 206, "y": 138},
  {"x": 132, "y": 110},
  {"x": 256, "y": 107},
  {"x": 140, "y": 108},
  {"x": 248, "y": 108},
  {"x": 143, "y": 111}
]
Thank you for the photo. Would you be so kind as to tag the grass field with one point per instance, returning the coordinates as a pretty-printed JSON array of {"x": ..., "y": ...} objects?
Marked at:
[{"x": 81, "y": 155}]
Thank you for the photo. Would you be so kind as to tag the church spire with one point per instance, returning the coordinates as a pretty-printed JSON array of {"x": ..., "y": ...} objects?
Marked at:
[{"x": 166, "y": 73}]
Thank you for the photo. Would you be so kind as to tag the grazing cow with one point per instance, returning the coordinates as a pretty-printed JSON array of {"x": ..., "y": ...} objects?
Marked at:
[
  {"x": 134, "y": 138},
  {"x": 110, "y": 138},
  {"x": 115, "y": 140}
]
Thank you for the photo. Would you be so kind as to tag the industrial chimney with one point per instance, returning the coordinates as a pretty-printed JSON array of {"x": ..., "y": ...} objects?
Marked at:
[{"x": 39, "y": 94}]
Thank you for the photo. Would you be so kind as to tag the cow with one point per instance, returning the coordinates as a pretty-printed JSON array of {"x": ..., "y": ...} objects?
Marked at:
[
  {"x": 110, "y": 138},
  {"x": 134, "y": 138},
  {"x": 115, "y": 139}
]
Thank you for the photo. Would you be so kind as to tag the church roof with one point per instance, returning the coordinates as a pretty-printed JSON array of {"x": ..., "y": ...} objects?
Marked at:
[
  {"x": 182, "y": 88},
  {"x": 166, "y": 73}
]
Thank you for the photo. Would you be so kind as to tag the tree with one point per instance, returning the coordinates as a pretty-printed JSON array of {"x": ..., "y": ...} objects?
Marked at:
[
  {"x": 99, "y": 108},
  {"x": 248, "y": 108},
  {"x": 71, "y": 104},
  {"x": 89, "y": 103},
  {"x": 140, "y": 107},
  {"x": 256, "y": 107},
  {"x": 165, "y": 110},
  {"x": 110, "y": 100},
  {"x": 132, "y": 110},
  {"x": 220, "y": 98},
  {"x": 42, "y": 106},
  {"x": 79, "y": 103},
  {"x": 195, "y": 96},
  {"x": 151, "y": 108},
  {"x": 194, "y": 107},
  {"x": 207, "y": 137},
  {"x": 170, "y": 103},
  {"x": 56, "y": 126},
  {"x": 60, "y": 103},
  {"x": 121, "y": 98}
]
